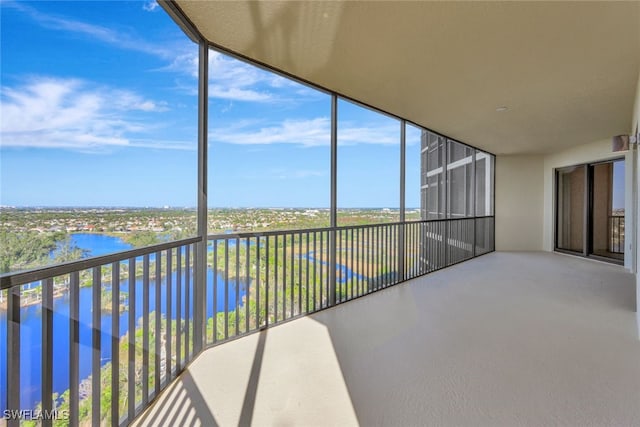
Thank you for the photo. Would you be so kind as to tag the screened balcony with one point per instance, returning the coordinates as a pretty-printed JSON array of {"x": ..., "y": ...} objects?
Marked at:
[
  {"x": 466, "y": 345},
  {"x": 253, "y": 281},
  {"x": 451, "y": 313}
]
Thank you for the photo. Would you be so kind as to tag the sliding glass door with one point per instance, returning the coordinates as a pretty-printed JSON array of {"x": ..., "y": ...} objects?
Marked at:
[
  {"x": 590, "y": 210},
  {"x": 607, "y": 210},
  {"x": 572, "y": 202}
]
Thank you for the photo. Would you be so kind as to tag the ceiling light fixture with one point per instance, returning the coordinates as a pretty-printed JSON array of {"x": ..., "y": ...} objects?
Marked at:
[{"x": 502, "y": 109}]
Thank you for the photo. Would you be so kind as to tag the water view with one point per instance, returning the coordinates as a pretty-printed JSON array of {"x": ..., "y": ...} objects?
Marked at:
[
  {"x": 31, "y": 323},
  {"x": 95, "y": 244}
]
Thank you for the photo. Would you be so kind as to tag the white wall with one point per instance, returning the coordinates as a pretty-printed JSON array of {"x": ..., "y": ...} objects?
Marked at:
[
  {"x": 636, "y": 179},
  {"x": 592, "y": 152},
  {"x": 519, "y": 192},
  {"x": 525, "y": 194}
]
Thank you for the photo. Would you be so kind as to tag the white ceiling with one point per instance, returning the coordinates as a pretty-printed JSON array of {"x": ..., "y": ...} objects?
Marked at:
[{"x": 567, "y": 70}]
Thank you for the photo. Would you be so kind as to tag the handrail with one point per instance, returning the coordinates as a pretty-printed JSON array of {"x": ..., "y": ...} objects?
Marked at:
[
  {"x": 260, "y": 280},
  {"x": 246, "y": 234},
  {"x": 263, "y": 278},
  {"x": 616, "y": 236},
  {"x": 9, "y": 280}
]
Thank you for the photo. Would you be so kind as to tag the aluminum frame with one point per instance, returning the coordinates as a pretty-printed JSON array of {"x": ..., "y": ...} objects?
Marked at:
[{"x": 587, "y": 229}]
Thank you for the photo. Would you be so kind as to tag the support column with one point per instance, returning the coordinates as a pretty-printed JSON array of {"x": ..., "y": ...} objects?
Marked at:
[
  {"x": 334, "y": 200},
  {"x": 447, "y": 224},
  {"x": 474, "y": 214},
  {"x": 403, "y": 161},
  {"x": 199, "y": 294}
]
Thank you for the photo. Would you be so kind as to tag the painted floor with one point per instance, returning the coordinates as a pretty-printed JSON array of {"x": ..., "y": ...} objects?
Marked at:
[{"x": 505, "y": 339}]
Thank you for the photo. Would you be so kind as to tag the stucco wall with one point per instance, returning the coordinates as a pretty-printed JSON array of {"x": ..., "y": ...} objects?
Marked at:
[
  {"x": 636, "y": 179},
  {"x": 592, "y": 152},
  {"x": 519, "y": 203}
]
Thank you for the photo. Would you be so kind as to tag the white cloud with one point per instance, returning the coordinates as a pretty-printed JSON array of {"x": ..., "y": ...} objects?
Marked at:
[
  {"x": 230, "y": 79},
  {"x": 307, "y": 133},
  {"x": 120, "y": 38},
  {"x": 74, "y": 114},
  {"x": 234, "y": 80},
  {"x": 150, "y": 5},
  {"x": 375, "y": 134},
  {"x": 237, "y": 81},
  {"x": 126, "y": 100},
  {"x": 185, "y": 63},
  {"x": 238, "y": 94}
]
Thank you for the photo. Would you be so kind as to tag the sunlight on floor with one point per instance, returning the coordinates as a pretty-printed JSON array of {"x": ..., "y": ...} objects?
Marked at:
[
  {"x": 253, "y": 381},
  {"x": 504, "y": 339}
]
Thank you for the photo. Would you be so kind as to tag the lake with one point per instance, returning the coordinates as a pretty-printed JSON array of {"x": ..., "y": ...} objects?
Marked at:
[
  {"x": 31, "y": 322},
  {"x": 99, "y": 244},
  {"x": 31, "y": 326}
]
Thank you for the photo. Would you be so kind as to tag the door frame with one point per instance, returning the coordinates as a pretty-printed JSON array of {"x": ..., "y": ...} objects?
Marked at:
[{"x": 587, "y": 229}]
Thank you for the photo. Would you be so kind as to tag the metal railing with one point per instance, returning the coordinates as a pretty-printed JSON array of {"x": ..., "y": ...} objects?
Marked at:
[
  {"x": 261, "y": 279},
  {"x": 93, "y": 341},
  {"x": 616, "y": 234},
  {"x": 97, "y": 339}
]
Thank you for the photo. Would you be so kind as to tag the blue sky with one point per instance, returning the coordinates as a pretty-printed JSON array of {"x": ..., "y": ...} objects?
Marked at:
[
  {"x": 99, "y": 108},
  {"x": 618, "y": 185}
]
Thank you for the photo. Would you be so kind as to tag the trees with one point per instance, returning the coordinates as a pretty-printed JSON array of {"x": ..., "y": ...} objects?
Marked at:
[
  {"x": 25, "y": 249},
  {"x": 142, "y": 238},
  {"x": 66, "y": 250}
]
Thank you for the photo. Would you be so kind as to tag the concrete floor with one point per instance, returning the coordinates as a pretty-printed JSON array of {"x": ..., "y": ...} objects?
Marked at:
[{"x": 503, "y": 340}]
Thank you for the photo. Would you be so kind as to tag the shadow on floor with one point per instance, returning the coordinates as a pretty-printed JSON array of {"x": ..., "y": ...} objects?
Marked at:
[
  {"x": 505, "y": 339},
  {"x": 183, "y": 406},
  {"x": 246, "y": 416}
]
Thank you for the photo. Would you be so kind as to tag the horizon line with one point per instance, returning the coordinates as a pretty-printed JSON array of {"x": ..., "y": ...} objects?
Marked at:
[{"x": 189, "y": 207}]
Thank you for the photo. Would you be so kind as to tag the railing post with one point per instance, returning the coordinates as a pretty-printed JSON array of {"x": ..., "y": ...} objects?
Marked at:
[
  {"x": 115, "y": 343},
  {"x": 445, "y": 173},
  {"x": 400, "y": 240},
  {"x": 74, "y": 347},
  {"x": 475, "y": 230},
  {"x": 473, "y": 205},
  {"x": 13, "y": 352},
  {"x": 200, "y": 273},
  {"x": 47, "y": 347},
  {"x": 334, "y": 200},
  {"x": 96, "y": 343}
]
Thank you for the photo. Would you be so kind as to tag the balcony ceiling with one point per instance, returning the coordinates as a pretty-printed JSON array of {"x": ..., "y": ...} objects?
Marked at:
[{"x": 567, "y": 71}]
